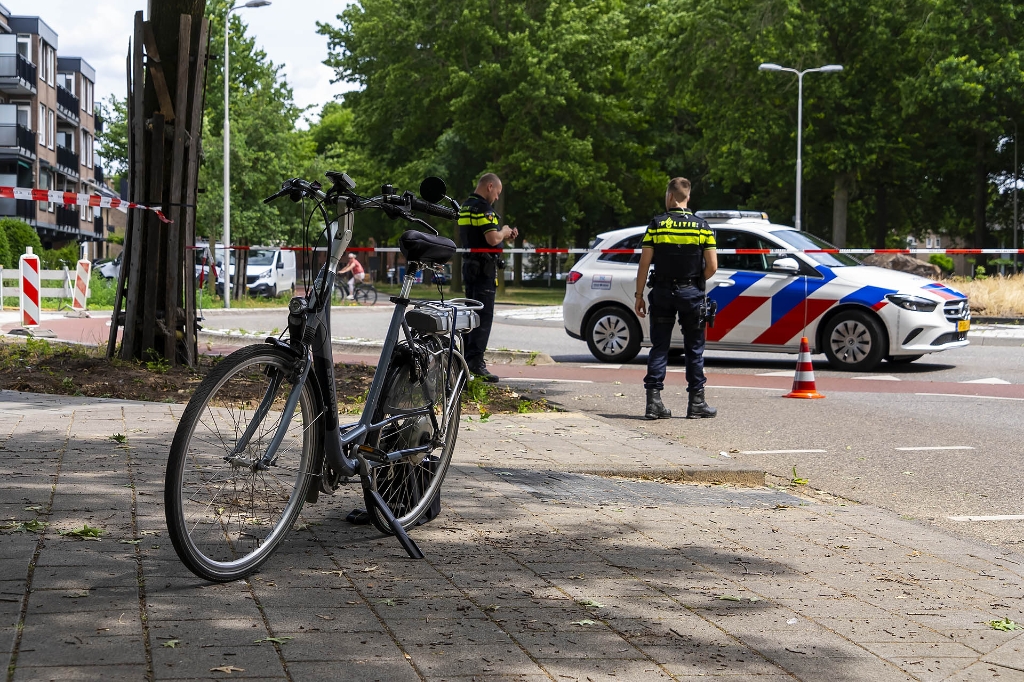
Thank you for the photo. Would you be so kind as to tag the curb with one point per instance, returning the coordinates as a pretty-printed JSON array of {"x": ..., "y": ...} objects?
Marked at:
[
  {"x": 357, "y": 347},
  {"x": 752, "y": 478}
]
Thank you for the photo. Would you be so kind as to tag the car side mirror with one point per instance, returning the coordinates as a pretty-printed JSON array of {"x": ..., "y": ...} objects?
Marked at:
[
  {"x": 280, "y": 265},
  {"x": 786, "y": 266}
]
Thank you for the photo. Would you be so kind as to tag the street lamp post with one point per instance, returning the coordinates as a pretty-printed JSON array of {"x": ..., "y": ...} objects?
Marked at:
[
  {"x": 227, "y": 153},
  {"x": 1016, "y": 225},
  {"x": 828, "y": 68}
]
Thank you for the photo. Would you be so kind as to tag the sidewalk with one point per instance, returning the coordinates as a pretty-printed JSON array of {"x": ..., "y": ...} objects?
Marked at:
[{"x": 534, "y": 571}]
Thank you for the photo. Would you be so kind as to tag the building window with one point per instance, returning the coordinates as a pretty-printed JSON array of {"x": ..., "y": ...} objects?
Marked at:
[
  {"x": 928, "y": 243},
  {"x": 24, "y": 114},
  {"x": 86, "y": 149},
  {"x": 67, "y": 81},
  {"x": 51, "y": 128},
  {"x": 47, "y": 57},
  {"x": 86, "y": 96},
  {"x": 938, "y": 242},
  {"x": 25, "y": 46},
  {"x": 41, "y": 125}
]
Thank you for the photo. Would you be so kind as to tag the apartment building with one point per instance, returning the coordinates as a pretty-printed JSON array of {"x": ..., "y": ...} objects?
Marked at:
[{"x": 47, "y": 132}]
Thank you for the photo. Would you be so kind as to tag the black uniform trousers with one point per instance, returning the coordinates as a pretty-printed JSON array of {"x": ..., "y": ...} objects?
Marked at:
[
  {"x": 667, "y": 302},
  {"x": 480, "y": 287}
]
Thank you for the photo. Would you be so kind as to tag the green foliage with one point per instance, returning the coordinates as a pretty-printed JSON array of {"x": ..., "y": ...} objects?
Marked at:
[
  {"x": 112, "y": 143},
  {"x": 944, "y": 262},
  {"x": 55, "y": 259},
  {"x": 116, "y": 239},
  {"x": 6, "y": 259},
  {"x": 19, "y": 235}
]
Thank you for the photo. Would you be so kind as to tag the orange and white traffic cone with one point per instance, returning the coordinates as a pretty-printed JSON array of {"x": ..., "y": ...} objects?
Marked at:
[{"x": 803, "y": 380}]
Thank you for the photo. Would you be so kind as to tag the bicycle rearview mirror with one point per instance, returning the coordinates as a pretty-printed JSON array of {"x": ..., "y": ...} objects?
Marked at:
[{"x": 433, "y": 189}]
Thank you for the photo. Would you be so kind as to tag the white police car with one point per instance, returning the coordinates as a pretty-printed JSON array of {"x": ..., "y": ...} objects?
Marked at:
[{"x": 857, "y": 315}]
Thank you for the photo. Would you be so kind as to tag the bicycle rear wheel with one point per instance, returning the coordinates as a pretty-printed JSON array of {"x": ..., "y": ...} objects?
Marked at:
[
  {"x": 411, "y": 485},
  {"x": 365, "y": 295},
  {"x": 226, "y": 512}
]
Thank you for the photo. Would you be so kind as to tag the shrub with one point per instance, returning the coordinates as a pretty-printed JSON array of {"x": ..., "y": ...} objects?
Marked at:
[
  {"x": 51, "y": 258},
  {"x": 944, "y": 262},
  {"x": 19, "y": 234}
]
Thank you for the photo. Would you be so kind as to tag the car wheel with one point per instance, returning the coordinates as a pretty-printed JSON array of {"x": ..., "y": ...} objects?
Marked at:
[
  {"x": 273, "y": 291},
  {"x": 854, "y": 341},
  {"x": 613, "y": 335},
  {"x": 904, "y": 359}
]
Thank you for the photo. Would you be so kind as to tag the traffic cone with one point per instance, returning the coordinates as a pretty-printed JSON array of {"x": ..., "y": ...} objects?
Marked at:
[{"x": 803, "y": 380}]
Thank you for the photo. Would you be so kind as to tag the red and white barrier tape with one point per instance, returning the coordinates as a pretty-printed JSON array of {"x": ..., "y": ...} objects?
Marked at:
[
  {"x": 740, "y": 252},
  {"x": 73, "y": 199}
]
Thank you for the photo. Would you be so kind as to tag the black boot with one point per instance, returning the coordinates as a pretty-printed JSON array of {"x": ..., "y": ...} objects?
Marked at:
[
  {"x": 698, "y": 408},
  {"x": 655, "y": 408}
]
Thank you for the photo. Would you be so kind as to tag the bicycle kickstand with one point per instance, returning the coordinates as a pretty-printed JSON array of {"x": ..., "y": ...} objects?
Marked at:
[{"x": 407, "y": 542}]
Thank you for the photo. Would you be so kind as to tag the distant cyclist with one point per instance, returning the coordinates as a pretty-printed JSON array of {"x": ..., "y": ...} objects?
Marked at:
[{"x": 358, "y": 274}]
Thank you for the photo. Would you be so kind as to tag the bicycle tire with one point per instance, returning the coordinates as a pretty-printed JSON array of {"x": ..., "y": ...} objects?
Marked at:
[
  {"x": 217, "y": 510},
  {"x": 410, "y": 485},
  {"x": 366, "y": 295}
]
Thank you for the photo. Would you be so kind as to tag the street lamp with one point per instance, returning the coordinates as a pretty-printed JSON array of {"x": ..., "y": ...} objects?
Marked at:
[
  {"x": 1016, "y": 225},
  {"x": 828, "y": 68},
  {"x": 227, "y": 154}
]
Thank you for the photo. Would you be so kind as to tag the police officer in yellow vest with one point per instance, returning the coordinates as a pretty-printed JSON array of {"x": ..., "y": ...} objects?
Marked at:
[
  {"x": 681, "y": 247},
  {"x": 478, "y": 229}
]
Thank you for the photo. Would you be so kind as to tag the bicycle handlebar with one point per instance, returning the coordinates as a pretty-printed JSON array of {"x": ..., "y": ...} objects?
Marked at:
[{"x": 393, "y": 204}]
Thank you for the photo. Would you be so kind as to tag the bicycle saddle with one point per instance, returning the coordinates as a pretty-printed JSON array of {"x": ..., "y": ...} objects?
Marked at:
[{"x": 420, "y": 247}]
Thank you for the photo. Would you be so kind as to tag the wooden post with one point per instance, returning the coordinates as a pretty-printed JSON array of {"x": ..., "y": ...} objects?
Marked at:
[
  {"x": 137, "y": 176},
  {"x": 192, "y": 179}
]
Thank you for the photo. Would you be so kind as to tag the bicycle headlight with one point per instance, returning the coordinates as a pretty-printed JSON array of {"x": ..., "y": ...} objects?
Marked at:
[
  {"x": 916, "y": 304},
  {"x": 297, "y": 305}
]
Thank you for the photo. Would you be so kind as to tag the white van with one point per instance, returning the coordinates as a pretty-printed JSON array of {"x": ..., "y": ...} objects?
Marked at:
[{"x": 268, "y": 272}]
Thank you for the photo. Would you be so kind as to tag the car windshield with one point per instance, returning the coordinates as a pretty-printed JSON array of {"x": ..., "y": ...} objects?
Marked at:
[
  {"x": 261, "y": 257},
  {"x": 802, "y": 240}
]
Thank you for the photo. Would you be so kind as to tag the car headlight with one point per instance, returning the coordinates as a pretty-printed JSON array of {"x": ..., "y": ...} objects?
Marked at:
[
  {"x": 917, "y": 304},
  {"x": 267, "y": 274}
]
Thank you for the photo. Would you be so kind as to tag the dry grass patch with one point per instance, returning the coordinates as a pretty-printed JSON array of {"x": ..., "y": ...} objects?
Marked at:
[{"x": 993, "y": 296}]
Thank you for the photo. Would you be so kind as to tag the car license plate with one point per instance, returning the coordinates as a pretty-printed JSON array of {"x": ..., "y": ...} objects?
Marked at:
[{"x": 963, "y": 325}]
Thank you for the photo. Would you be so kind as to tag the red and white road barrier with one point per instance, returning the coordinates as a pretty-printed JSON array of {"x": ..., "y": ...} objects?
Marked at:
[
  {"x": 74, "y": 199},
  {"x": 726, "y": 252},
  {"x": 80, "y": 294},
  {"x": 28, "y": 264}
]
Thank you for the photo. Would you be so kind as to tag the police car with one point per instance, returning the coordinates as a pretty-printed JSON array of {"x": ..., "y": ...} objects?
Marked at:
[{"x": 857, "y": 315}]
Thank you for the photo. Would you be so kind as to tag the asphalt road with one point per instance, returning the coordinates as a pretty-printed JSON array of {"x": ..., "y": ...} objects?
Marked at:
[{"x": 879, "y": 438}]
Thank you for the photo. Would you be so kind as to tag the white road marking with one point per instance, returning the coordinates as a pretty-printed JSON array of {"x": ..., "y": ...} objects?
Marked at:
[
  {"x": 880, "y": 377},
  {"x": 780, "y": 452},
  {"x": 937, "y": 447},
  {"x": 557, "y": 381},
  {"x": 788, "y": 374},
  {"x": 961, "y": 395},
  {"x": 603, "y": 367},
  {"x": 990, "y": 380},
  {"x": 749, "y": 388},
  {"x": 1005, "y": 517}
]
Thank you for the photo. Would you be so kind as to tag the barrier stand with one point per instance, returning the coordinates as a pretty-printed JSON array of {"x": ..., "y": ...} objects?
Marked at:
[
  {"x": 80, "y": 292},
  {"x": 30, "y": 298},
  {"x": 803, "y": 380}
]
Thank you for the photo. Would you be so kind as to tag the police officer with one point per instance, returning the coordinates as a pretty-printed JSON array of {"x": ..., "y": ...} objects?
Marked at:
[
  {"x": 478, "y": 227},
  {"x": 681, "y": 247}
]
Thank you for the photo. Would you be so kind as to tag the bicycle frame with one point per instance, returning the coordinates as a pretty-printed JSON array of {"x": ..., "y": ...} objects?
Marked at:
[{"x": 316, "y": 356}]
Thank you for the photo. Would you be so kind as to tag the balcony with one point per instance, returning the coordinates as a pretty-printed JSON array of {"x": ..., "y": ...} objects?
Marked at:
[
  {"x": 67, "y": 217},
  {"x": 17, "y": 139},
  {"x": 26, "y": 210},
  {"x": 67, "y": 105},
  {"x": 98, "y": 174},
  {"x": 17, "y": 75},
  {"x": 67, "y": 161}
]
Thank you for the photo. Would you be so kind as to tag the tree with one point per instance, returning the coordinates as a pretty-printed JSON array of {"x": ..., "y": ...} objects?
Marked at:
[
  {"x": 538, "y": 92},
  {"x": 113, "y": 141},
  {"x": 19, "y": 235}
]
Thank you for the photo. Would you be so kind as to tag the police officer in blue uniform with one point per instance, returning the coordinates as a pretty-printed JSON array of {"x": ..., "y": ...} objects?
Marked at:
[
  {"x": 681, "y": 247},
  {"x": 478, "y": 229}
]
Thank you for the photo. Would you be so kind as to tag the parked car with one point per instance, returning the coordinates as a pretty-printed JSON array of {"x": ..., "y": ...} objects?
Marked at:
[
  {"x": 857, "y": 315},
  {"x": 111, "y": 268}
]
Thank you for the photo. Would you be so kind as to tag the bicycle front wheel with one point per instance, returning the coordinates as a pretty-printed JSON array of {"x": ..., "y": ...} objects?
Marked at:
[
  {"x": 366, "y": 295},
  {"x": 411, "y": 485},
  {"x": 227, "y": 508}
]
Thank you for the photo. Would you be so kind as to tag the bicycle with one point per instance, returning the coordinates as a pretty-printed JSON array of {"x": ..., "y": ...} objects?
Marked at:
[
  {"x": 364, "y": 293},
  {"x": 261, "y": 436}
]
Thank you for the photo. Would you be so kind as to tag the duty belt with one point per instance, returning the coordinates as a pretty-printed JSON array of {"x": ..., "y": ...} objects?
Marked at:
[{"x": 677, "y": 282}]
